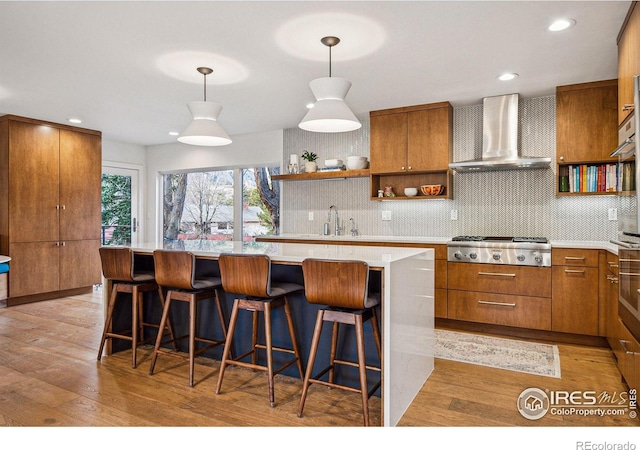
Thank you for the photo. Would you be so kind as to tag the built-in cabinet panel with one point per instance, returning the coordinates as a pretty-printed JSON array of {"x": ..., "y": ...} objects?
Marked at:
[
  {"x": 586, "y": 134},
  {"x": 52, "y": 206},
  {"x": 628, "y": 61},
  {"x": 33, "y": 182},
  {"x": 575, "y": 307},
  {"x": 410, "y": 147}
]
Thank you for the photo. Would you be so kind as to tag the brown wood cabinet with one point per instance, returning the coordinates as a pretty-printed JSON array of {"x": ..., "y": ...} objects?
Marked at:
[
  {"x": 410, "y": 147},
  {"x": 586, "y": 129},
  {"x": 575, "y": 307},
  {"x": 516, "y": 296},
  {"x": 49, "y": 206},
  {"x": 628, "y": 60}
]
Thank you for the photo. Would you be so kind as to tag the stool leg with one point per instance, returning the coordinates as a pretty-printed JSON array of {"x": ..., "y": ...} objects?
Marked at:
[
  {"x": 223, "y": 326},
  {"x": 332, "y": 356},
  {"x": 169, "y": 326},
  {"x": 269, "y": 345},
  {"x": 192, "y": 338},
  {"x": 163, "y": 323},
  {"x": 227, "y": 344},
  {"x": 254, "y": 337},
  {"x": 107, "y": 322},
  {"x": 292, "y": 333},
  {"x": 315, "y": 340},
  {"x": 376, "y": 331},
  {"x": 135, "y": 324},
  {"x": 362, "y": 369}
]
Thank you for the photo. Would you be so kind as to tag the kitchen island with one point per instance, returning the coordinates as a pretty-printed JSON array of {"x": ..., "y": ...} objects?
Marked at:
[{"x": 406, "y": 283}]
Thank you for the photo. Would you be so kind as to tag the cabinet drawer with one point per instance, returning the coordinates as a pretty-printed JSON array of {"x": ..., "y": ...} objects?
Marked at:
[
  {"x": 507, "y": 310},
  {"x": 440, "y": 306},
  {"x": 441, "y": 273},
  {"x": 574, "y": 257},
  {"x": 627, "y": 352},
  {"x": 575, "y": 300},
  {"x": 516, "y": 280}
]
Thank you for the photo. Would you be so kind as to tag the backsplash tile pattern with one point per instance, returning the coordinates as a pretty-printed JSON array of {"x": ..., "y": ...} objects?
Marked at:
[{"x": 512, "y": 202}]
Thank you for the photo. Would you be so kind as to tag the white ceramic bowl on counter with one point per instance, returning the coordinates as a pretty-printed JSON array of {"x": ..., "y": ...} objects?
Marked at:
[{"x": 356, "y": 162}]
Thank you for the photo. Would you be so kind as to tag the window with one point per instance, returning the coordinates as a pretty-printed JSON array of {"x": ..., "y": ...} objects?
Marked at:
[{"x": 202, "y": 205}]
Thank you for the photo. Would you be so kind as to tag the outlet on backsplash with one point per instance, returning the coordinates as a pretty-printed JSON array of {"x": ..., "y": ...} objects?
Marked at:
[
  {"x": 386, "y": 215},
  {"x": 310, "y": 215}
]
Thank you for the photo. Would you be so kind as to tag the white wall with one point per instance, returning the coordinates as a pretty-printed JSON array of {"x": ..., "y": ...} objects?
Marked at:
[{"x": 251, "y": 149}]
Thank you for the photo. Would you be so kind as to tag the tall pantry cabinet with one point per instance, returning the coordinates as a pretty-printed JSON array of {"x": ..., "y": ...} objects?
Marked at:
[{"x": 50, "y": 203}]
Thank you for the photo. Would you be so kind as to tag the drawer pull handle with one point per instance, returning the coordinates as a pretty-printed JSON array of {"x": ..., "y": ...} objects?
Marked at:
[
  {"x": 612, "y": 265},
  {"x": 629, "y": 260},
  {"x": 629, "y": 274},
  {"x": 624, "y": 347},
  {"x": 483, "y": 302},
  {"x": 573, "y": 271},
  {"x": 574, "y": 258},
  {"x": 494, "y": 274}
]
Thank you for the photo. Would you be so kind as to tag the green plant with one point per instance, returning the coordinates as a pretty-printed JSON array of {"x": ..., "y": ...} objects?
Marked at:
[{"x": 309, "y": 156}]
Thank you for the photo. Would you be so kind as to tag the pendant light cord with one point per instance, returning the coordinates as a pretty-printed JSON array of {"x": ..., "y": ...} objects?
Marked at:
[
  {"x": 205, "y": 87},
  {"x": 330, "y": 61}
]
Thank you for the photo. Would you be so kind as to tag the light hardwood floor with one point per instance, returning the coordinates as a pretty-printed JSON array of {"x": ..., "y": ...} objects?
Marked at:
[{"x": 49, "y": 376}]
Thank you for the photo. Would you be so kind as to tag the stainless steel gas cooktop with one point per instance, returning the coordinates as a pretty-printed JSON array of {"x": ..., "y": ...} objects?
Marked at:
[{"x": 522, "y": 251}]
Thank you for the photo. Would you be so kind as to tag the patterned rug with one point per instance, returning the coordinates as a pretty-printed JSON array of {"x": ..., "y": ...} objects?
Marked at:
[{"x": 508, "y": 354}]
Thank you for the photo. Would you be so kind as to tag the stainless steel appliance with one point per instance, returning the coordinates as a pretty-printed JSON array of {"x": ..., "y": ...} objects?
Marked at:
[
  {"x": 500, "y": 139},
  {"x": 629, "y": 288},
  {"x": 629, "y": 221},
  {"x": 520, "y": 251}
]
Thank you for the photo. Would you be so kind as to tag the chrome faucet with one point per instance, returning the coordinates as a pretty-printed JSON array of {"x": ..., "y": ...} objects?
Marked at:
[
  {"x": 354, "y": 229},
  {"x": 336, "y": 225}
]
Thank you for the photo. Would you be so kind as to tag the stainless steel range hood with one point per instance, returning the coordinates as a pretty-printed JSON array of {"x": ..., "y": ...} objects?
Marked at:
[{"x": 500, "y": 139}]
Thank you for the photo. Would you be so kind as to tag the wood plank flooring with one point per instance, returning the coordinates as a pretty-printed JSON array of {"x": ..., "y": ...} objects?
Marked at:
[{"x": 49, "y": 377}]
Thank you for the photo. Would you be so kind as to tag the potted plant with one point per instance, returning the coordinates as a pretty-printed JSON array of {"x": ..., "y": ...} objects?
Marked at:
[{"x": 310, "y": 165}]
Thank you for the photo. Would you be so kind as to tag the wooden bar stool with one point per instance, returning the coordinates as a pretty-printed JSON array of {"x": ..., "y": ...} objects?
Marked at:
[
  {"x": 342, "y": 286},
  {"x": 118, "y": 268},
  {"x": 250, "y": 277},
  {"x": 176, "y": 271}
]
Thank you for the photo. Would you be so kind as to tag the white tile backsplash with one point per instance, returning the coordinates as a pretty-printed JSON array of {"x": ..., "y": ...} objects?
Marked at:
[{"x": 509, "y": 203}]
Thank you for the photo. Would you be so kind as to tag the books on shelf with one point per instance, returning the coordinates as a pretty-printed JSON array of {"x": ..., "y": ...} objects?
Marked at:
[{"x": 613, "y": 177}]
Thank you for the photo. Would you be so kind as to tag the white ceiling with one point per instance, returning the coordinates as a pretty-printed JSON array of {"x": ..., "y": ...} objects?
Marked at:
[{"x": 120, "y": 66}]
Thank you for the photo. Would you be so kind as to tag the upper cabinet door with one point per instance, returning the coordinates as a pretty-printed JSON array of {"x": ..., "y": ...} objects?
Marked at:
[
  {"x": 586, "y": 122},
  {"x": 430, "y": 144},
  {"x": 628, "y": 63},
  {"x": 388, "y": 147},
  {"x": 80, "y": 185},
  {"x": 33, "y": 182}
]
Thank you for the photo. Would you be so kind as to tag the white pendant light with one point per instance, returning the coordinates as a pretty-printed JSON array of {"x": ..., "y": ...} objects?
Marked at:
[
  {"x": 204, "y": 129},
  {"x": 330, "y": 114}
]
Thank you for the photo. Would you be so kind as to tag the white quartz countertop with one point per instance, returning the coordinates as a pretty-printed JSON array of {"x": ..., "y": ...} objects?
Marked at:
[
  {"x": 386, "y": 239},
  {"x": 280, "y": 252},
  {"x": 597, "y": 245}
]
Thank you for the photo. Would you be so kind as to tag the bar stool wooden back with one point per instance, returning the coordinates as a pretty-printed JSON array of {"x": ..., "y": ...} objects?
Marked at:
[
  {"x": 176, "y": 272},
  {"x": 118, "y": 268},
  {"x": 249, "y": 277},
  {"x": 342, "y": 287}
]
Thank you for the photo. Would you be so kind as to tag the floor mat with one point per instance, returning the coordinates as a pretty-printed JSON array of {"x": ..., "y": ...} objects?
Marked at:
[{"x": 508, "y": 354}]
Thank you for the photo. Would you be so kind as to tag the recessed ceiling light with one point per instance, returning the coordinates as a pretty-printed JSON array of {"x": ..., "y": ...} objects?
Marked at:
[
  {"x": 309, "y": 105},
  {"x": 75, "y": 120},
  {"x": 507, "y": 76},
  {"x": 173, "y": 133},
  {"x": 561, "y": 24}
]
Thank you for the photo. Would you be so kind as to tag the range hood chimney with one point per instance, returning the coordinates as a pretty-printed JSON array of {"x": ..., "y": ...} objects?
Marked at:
[{"x": 500, "y": 139}]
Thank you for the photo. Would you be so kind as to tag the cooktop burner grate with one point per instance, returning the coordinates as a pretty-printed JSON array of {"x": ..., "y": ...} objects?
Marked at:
[{"x": 537, "y": 240}]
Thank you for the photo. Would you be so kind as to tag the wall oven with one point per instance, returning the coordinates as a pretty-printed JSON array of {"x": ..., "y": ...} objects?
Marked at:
[{"x": 629, "y": 222}]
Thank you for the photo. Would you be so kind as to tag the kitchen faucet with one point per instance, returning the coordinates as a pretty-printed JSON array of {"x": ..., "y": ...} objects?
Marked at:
[{"x": 336, "y": 225}]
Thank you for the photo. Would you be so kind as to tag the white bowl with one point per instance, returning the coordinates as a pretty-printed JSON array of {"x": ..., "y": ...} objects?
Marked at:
[
  {"x": 356, "y": 164},
  {"x": 332, "y": 163},
  {"x": 410, "y": 192}
]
